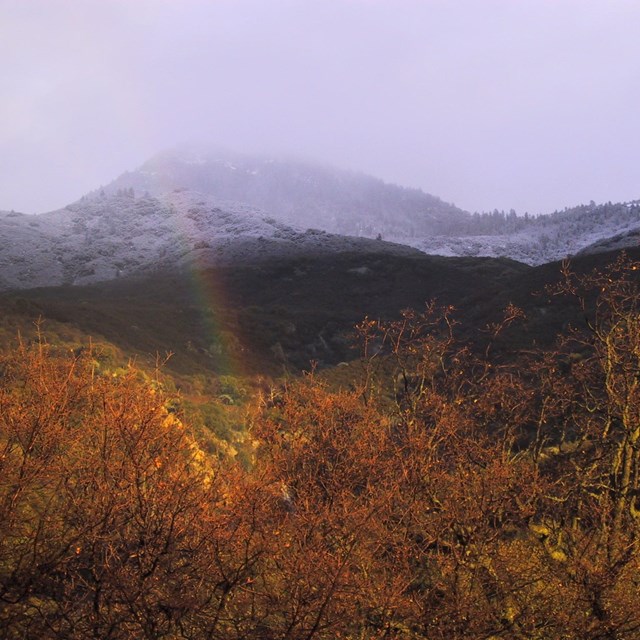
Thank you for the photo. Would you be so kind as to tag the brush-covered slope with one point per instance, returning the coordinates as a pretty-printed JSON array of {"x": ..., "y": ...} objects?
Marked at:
[
  {"x": 285, "y": 312},
  {"x": 278, "y": 314}
]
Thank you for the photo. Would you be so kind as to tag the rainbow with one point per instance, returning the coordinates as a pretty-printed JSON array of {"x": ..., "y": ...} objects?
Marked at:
[{"x": 208, "y": 294}]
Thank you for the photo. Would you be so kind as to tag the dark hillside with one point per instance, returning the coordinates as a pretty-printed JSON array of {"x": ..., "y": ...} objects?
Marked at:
[
  {"x": 547, "y": 315},
  {"x": 279, "y": 313}
]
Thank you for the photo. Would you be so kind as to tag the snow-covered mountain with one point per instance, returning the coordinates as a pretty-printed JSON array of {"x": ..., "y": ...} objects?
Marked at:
[
  {"x": 183, "y": 209},
  {"x": 107, "y": 235},
  {"x": 296, "y": 192},
  {"x": 585, "y": 229},
  {"x": 307, "y": 195}
]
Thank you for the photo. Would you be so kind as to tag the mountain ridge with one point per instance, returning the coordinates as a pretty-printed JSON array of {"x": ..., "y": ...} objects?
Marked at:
[
  {"x": 110, "y": 235},
  {"x": 179, "y": 210},
  {"x": 349, "y": 203},
  {"x": 299, "y": 192}
]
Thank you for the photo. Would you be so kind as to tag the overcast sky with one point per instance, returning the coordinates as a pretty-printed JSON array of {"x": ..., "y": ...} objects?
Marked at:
[{"x": 530, "y": 104}]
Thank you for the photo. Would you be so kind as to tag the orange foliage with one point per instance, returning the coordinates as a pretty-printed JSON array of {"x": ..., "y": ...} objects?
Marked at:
[{"x": 446, "y": 496}]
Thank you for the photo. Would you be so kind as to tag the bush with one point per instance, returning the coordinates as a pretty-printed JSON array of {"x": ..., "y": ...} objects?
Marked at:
[{"x": 111, "y": 523}]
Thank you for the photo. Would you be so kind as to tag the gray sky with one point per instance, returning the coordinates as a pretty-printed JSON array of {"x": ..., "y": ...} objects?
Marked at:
[{"x": 530, "y": 104}]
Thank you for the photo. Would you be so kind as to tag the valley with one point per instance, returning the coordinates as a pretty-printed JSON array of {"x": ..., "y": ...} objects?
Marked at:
[
  {"x": 218, "y": 423},
  {"x": 201, "y": 261}
]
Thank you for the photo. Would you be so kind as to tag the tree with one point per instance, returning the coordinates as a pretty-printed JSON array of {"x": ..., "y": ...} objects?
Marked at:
[
  {"x": 113, "y": 523},
  {"x": 587, "y": 443}
]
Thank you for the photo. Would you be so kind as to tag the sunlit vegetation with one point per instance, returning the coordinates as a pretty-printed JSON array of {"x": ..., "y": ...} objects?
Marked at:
[{"x": 447, "y": 492}]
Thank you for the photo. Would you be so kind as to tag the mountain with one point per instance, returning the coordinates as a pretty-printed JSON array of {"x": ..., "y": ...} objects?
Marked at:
[
  {"x": 296, "y": 192},
  {"x": 183, "y": 208},
  {"x": 108, "y": 235},
  {"x": 542, "y": 239},
  {"x": 305, "y": 195}
]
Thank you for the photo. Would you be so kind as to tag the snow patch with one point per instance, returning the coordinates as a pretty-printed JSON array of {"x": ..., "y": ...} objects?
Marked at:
[{"x": 360, "y": 271}]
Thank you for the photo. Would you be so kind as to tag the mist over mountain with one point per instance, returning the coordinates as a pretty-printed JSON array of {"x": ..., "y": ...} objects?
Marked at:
[
  {"x": 185, "y": 208},
  {"x": 304, "y": 194},
  {"x": 297, "y": 192}
]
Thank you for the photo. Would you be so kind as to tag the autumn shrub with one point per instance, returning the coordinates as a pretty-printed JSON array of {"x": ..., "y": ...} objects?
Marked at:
[
  {"x": 446, "y": 494},
  {"x": 113, "y": 523}
]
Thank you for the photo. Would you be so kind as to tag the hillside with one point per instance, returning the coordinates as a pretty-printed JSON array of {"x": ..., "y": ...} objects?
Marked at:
[
  {"x": 180, "y": 210},
  {"x": 283, "y": 313},
  {"x": 353, "y": 512},
  {"x": 111, "y": 235},
  {"x": 541, "y": 239},
  {"x": 299, "y": 193},
  {"x": 304, "y": 195},
  {"x": 271, "y": 316}
]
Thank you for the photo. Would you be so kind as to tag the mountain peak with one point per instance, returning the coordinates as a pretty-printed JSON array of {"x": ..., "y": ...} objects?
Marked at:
[{"x": 298, "y": 192}]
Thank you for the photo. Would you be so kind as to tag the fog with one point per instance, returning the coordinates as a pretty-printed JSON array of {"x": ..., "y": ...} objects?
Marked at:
[{"x": 488, "y": 104}]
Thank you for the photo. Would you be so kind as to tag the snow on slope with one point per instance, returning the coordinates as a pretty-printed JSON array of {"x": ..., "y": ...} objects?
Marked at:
[
  {"x": 102, "y": 237},
  {"x": 184, "y": 210},
  {"x": 296, "y": 192},
  {"x": 302, "y": 194},
  {"x": 585, "y": 229},
  {"x": 28, "y": 253}
]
